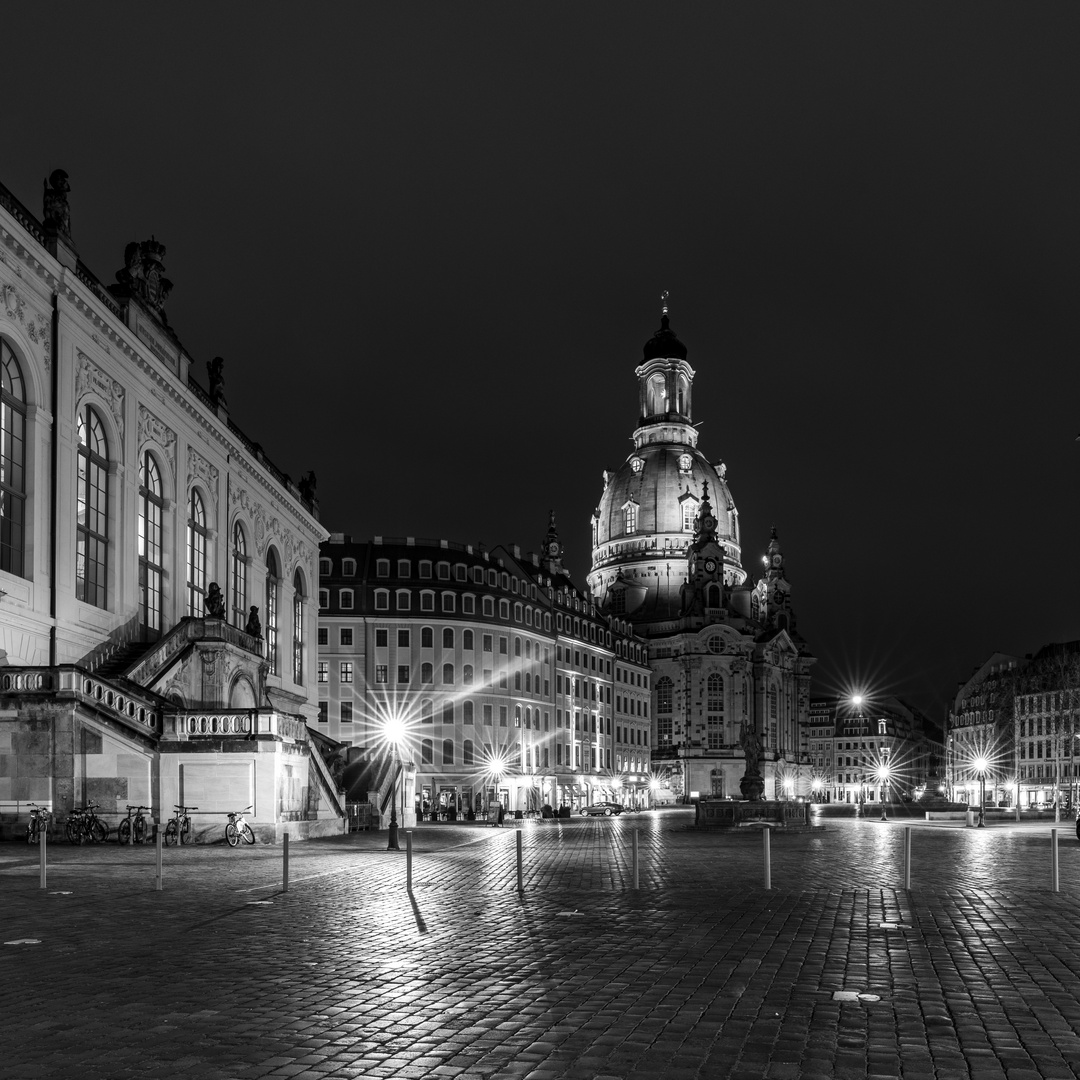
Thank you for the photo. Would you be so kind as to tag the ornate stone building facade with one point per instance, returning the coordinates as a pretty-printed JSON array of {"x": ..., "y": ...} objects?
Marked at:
[
  {"x": 157, "y": 629},
  {"x": 731, "y": 676}
]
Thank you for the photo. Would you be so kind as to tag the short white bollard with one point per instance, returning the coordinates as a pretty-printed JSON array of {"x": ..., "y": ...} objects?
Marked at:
[
  {"x": 1054, "y": 880},
  {"x": 907, "y": 857},
  {"x": 521, "y": 887},
  {"x": 970, "y": 819},
  {"x": 768, "y": 856},
  {"x": 41, "y": 855},
  {"x": 634, "y": 837},
  {"x": 408, "y": 862},
  {"x": 157, "y": 841},
  {"x": 285, "y": 863}
]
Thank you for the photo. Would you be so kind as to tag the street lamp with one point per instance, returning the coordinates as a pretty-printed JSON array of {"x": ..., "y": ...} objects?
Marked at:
[
  {"x": 393, "y": 733},
  {"x": 981, "y": 765},
  {"x": 883, "y": 773}
]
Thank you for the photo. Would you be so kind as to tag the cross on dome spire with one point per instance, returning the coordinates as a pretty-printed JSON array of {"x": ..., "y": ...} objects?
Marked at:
[{"x": 664, "y": 296}]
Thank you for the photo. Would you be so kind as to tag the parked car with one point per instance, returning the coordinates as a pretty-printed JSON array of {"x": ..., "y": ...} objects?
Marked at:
[{"x": 605, "y": 809}]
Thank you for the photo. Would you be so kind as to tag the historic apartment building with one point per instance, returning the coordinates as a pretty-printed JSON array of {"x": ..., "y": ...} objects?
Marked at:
[
  {"x": 730, "y": 671},
  {"x": 157, "y": 572},
  {"x": 508, "y": 683},
  {"x": 860, "y": 751}
]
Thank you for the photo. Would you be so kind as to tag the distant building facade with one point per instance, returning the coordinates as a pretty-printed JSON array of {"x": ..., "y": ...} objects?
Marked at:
[
  {"x": 510, "y": 685},
  {"x": 730, "y": 671},
  {"x": 157, "y": 616}
]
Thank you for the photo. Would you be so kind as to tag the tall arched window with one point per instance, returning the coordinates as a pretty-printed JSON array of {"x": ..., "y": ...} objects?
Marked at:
[
  {"x": 196, "y": 554},
  {"x": 664, "y": 688},
  {"x": 239, "y": 577},
  {"x": 448, "y": 638},
  {"x": 151, "y": 507},
  {"x": 631, "y": 517},
  {"x": 92, "y": 529},
  {"x": 298, "y": 628},
  {"x": 448, "y": 674},
  {"x": 714, "y": 711},
  {"x": 273, "y": 583},
  {"x": 467, "y": 757},
  {"x": 12, "y": 463}
]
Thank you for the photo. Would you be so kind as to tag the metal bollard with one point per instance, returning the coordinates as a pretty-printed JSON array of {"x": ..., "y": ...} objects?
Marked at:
[
  {"x": 768, "y": 856},
  {"x": 634, "y": 838},
  {"x": 285, "y": 863},
  {"x": 521, "y": 887},
  {"x": 157, "y": 841},
  {"x": 41, "y": 855},
  {"x": 1054, "y": 880},
  {"x": 907, "y": 857},
  {"x": 408, "y": 862}
]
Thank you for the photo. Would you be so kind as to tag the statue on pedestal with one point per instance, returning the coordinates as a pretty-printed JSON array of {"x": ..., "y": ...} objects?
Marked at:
[
  {"x": 752, "y": 783},
  {"x": 215, "y": 601}
]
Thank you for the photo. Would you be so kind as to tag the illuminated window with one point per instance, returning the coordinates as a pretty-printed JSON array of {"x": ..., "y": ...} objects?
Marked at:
[
  {"x": 631, "y": 517},
  {"x": 151, "y": 508},
  {"x": 273, "y": 582},
  {"x": 346, "y": 671},
  {"x": 196, "y": 554},
  {"x": 92, "y": 529},
  {"x": 12, "y": 463},
  {"x": 240, "y": 579},
  {"x": 298, "y": 628}
]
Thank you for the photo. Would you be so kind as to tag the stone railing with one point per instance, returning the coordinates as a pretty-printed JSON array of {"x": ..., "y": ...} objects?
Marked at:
[
  {"x": 236, "y": 723},
  {"x": 27, "y": 681},
  {"x": 184, "y": 633}
]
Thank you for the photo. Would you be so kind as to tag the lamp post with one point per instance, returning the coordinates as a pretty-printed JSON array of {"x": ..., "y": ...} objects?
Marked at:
[
  {"x": 980, "y": 767},
  {"x": 883, "y": 773}
]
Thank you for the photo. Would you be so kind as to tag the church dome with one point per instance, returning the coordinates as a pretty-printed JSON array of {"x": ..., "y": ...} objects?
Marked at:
[
  {"x": 664, "y": 481},
  {"x": 664, "y": 344}
]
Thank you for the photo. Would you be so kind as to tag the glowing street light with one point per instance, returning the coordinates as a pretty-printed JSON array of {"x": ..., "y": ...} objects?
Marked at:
[
  {"x": 883, "y": 774},
  {"x": 394, "y": 734},
  {"x": 981, "y": 765},
  {"x": 654, "y": 787}
]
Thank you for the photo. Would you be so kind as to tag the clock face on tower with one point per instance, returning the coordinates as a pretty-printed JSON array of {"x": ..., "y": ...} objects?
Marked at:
[
  {"x": 553, "y": 548},
  {"x": 776, "y": 560},
  {"x": 709, "y": 521},
  {"x": 710, "y": 566}
]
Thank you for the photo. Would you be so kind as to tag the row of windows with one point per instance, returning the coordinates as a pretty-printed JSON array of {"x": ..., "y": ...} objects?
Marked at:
[
  {"x": 92, "y": 538},
  {"x": 1034, "y": 725}
]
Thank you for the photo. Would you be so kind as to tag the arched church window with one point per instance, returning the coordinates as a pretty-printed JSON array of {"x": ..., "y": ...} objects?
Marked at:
[
  {"x": 664, "y": 694},
  {"x": 13, "y": 463},
  {"x": 631, "y": 517},
  {"x": 689, "y": 512},
  {"x": 92, "y": 529},
  {"x": 239, "y": 577},
  {"x": 197, "y": 534},
  {"x": 657, "y": 395},
  {"x": 151, "y": 508},
  {"x": 298, "y": 628}
]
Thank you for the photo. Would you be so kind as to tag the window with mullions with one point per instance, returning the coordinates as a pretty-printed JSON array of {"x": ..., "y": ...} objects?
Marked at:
[
  {"x": 270, "y": 629},
  {"x": 151, "y": 507},
  {"x": 298, "y": 628},
  {"x": 92, "y": 530},
  {"x": 12, "y": 463},
  {"x": 239, "y": 579},
  {"x": 196, "y": 554}
]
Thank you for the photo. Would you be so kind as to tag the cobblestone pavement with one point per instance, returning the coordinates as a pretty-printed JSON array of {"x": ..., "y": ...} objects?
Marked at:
[{"x": 698, "y": 973}]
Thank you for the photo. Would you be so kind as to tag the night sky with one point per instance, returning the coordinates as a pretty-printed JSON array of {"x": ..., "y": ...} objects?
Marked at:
[{"x": 430, "y": 241}]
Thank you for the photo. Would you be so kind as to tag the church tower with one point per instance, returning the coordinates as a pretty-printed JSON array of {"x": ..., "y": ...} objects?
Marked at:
[{"x": 728, "y": 668}]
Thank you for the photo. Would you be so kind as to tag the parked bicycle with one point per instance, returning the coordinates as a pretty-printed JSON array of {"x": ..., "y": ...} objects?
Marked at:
[
  {"x": 178, "y": 828},
  {"x": 83, "y": 824},
  {"x": 238, "y": 829},
  {"x": 134, "y": 821},
  {"x": 39, "y": 823}
]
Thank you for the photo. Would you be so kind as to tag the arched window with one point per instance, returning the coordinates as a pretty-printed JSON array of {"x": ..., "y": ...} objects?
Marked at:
[
  {"x": 448, "y": 751},
  {"x": 196, "y": 554},
  {"x": 448, "y": 638},
  {"x": 425, "y": 637},
  {"x": 448, "y": 712},
  {"x": 657, "y": 396},
  {"x": 12, "y": 464},
  {"x": 517, "y": 646},
  {"x": 425, "y": 712},
  {"x": 467, "y": 639},
  {"x": 467, "y": 757},
  {"x": 298, "y": 628},
  {"x": 467, "y": 712},
  {"x": 426, "y": 752},
  {"x": 631, "y": 517},
  {"x": 239, "y": 577},
  {"x": 151, "y": 507},
  {"x": 448, "y": 674},
  {"x": 92, "y": 530},
  {"x": 467, "y": 674},
  {"x": 664, "y": 694},
  {"x": 426, "y": 674},
  {"x": 689, "y": 512},
  {"x": 273, "y": 583}
]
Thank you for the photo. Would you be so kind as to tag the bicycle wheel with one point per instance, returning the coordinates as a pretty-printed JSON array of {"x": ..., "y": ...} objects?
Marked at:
[
  {"x": 185, "y": 831},
  {"x": 123, "y": 831},
  {"x": 140, "y": 829},
  {"x": 73, "y": 828},
  {"x": 98, "y": 831},
  {"x": 171, "y": 832},
  {"x": 232, "y": 835},
  {"x": 248, "y": 835}
]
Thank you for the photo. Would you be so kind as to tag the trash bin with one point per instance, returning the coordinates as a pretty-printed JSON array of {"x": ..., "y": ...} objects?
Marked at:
[{"x": 970, "y": 818}]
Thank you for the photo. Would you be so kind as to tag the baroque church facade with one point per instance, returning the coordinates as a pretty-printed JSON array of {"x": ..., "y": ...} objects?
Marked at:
[
  {"x": 731, "y": 675},
  {"x": 157, "y": 572}
]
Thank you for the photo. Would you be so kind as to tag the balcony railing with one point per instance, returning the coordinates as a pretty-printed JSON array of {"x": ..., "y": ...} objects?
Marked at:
[{"x": 236, "y": 723}]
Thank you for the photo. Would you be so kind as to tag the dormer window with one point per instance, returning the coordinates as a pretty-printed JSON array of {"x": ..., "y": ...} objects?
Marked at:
[
  {"x": 630, "y": 510},
  {"x": 637, "y": 464}
]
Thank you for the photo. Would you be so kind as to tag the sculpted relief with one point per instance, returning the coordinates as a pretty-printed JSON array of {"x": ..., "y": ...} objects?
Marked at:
[
  {"x": 89, "y": 377},
  {"x": 151, "y": 429}
]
